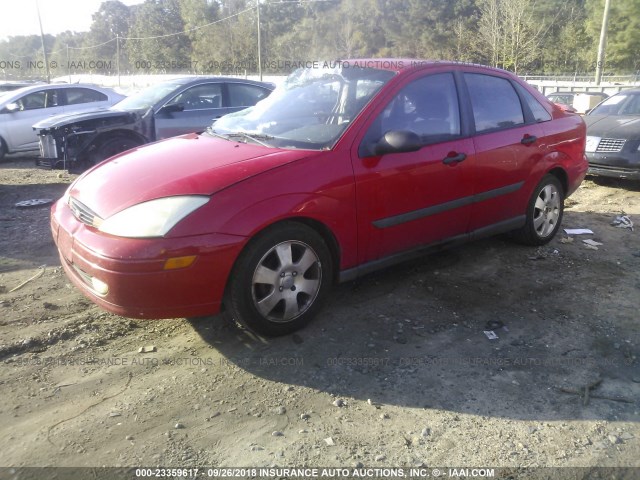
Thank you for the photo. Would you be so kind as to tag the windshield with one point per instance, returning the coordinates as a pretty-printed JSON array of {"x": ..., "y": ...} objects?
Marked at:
[
  {"x": 310, "y": 109},
  {"x": 620, "y": 104},
  {"x": 148, "y": 97}
]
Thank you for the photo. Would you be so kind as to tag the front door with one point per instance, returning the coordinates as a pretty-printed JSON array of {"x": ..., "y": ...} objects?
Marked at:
[
  {"x": 32, "y": 108},
  {"x": 405, "y": 200},
  {"x": 198, "y": 107}
]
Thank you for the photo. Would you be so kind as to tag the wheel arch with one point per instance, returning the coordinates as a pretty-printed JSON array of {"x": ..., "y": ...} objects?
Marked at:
[
  {"x": 562, "y": 177},
  {"x": 325, "y": 233},
  {"x": 4, "y": 147},
  {"x": 119, "y": 132}
]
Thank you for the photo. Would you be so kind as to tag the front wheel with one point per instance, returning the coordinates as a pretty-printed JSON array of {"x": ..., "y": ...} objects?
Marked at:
[
  {"x": 280, "y": 280},
  {"x": 544, "y": 213},
  {"x": 103, "y": 150}
]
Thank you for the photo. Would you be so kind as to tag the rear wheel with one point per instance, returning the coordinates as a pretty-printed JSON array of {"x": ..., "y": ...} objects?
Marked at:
[
  {"x": 3, "y": 149},
  {"x": 280, "y": 280},
  {"x": 544, "y": 213}
]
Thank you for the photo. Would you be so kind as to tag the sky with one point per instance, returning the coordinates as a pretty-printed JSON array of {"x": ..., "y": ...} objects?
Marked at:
[{"x": 20, "y": 17}]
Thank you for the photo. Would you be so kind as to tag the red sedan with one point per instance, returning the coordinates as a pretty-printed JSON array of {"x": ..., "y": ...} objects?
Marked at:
[{"x": 344, "y": 169}]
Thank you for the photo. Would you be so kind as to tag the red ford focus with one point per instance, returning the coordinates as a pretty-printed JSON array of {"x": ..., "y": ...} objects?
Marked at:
[{"x": 345, "y": 168}]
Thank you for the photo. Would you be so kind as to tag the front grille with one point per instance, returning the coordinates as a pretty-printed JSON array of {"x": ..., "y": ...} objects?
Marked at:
[
  {"x": 84, "y": 213},
  {"x": 610, "y": 145}
]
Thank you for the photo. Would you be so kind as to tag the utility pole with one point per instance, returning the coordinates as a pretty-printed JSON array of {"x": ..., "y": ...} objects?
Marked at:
[
  {"x": 603, "y": 42},
  {"x": 259, "y": 46},
  {"x": 44, "y": 50},
  {"x": 118, "y": 56}
]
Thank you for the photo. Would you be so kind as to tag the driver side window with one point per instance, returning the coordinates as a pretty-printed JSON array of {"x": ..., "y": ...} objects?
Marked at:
[
  {"x": 200, "y": 97},
  {"x": 427, "y": 107},
  {"x": 37, "y": 100}
]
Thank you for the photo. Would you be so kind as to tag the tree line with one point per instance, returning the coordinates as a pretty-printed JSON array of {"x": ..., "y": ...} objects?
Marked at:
[{"x": 221, "y": 36}]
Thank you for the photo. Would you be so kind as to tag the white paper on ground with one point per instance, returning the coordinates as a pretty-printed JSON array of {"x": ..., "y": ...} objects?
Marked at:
[
  {"x": 593, "y": 243},
  {"x": 577, "y": 231}
]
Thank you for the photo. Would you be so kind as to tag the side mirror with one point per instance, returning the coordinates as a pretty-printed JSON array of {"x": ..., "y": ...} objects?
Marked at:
[
  {"x": 172, "y": 108},
  {"x": 398, "y": 141},
  {"x": 11, "y": 107}
]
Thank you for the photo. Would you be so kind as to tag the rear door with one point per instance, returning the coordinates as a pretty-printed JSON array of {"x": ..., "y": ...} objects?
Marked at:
[{"x": 507, "y": 143}]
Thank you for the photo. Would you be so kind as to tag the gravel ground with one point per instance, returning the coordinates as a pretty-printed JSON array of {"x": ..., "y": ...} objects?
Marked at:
[{"x": 395, "y": 372}]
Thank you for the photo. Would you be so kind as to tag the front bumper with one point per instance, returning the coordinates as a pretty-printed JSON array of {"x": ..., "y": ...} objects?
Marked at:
[
  {"x": 128, "y": 276},
  {"x": 615, "y": 165}
]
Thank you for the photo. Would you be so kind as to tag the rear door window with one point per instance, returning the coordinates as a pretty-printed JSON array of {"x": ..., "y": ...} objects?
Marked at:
[
  {"x": 495, "y": 102},
  {"x": 241, "y": 95},
  {"x": 78, "y": 95}
]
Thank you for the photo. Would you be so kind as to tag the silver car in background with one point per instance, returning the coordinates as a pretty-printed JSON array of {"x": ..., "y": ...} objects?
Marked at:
[{"x": 20, "y": 109}]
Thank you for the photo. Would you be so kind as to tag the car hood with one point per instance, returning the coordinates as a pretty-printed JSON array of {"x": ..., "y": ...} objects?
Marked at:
[
  {"x": 613, "y": 126},
  {"x": 76, "y": 117},
  {"x": 187, "y": 165}
]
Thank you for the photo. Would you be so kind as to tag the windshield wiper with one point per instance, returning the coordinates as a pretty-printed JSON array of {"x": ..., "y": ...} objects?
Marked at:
[
  {"x": 254, "y": 137},
  {"x": 258, "y": 138},
  {"x": 211, "y": 131}
]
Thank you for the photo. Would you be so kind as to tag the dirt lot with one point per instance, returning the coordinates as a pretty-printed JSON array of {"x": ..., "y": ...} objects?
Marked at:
[{"x": 396, "y": 371}]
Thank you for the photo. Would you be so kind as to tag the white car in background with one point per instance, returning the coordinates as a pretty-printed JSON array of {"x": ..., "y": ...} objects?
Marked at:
[{"x": 20, "y": 109}]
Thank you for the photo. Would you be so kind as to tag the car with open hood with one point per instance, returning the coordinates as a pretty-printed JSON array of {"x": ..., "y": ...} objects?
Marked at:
[
  {"x": 174, "y": 107},
  {"x": 345, "y": 168},
  {"x": 613, "y": 136}
]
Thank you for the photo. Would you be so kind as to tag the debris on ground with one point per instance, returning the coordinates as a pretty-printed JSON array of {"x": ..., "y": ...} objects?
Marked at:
[
  {"x": 578, "y": 231},
  {"x": 585, "y": 393},
  {"x": 623, "y": 221},
  {"x": 41, "y": 270},
  {"x": 35, "y": 202},
  {"x": 592, "y": 244}
]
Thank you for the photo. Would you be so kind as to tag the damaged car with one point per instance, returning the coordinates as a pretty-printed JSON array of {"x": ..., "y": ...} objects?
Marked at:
[{"x": 78, "y": 141}]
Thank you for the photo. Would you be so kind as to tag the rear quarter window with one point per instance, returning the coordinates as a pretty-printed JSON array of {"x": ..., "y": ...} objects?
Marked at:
[{"x": 539, "y": 113}]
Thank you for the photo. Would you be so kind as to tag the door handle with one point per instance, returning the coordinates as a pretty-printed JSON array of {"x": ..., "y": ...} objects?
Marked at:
[
  {"x": 528, "y": 139},
  {"x": 454, "y": 158}
]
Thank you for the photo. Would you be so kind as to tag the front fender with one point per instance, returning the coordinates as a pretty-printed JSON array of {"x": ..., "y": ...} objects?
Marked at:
[{"x": 319, "y": 189}]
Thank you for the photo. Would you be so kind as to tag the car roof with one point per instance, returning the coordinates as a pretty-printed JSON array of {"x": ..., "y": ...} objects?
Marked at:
[
  {"x": 630, "y": 90},
  {"x": 199, "y": 78},
  {"x": 576, "y": 93},
  {"x": 12, "y": 94},
  {"x": 403, "y": 64}
]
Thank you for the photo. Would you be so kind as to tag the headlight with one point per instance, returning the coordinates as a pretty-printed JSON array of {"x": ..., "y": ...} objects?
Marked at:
[
  {"x": 592, "y": 144},
  {"x": 151, "y": 219}
]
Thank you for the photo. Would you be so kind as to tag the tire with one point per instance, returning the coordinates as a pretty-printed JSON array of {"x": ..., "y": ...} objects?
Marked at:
[
  {"x": 280, "y": 280},
  {"x": 544, "y": 213},
  {"x": 111, "y": 147},
  {"x": 3, "y": 149}
]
